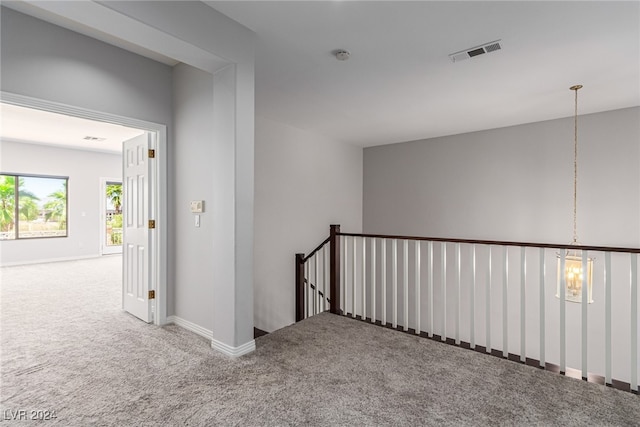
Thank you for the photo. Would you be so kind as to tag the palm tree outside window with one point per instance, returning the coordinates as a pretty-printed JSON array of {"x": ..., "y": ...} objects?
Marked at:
[
  {"x": 114, "y": 216},
  {"x": 32, "y": 206}
]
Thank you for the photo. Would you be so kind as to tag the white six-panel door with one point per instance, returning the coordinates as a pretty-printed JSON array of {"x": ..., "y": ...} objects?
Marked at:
[{"x": 137, "y": 237}]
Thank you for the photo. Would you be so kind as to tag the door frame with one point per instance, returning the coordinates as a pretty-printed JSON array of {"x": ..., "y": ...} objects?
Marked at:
[
  {"x": 158, "y": 271},
  {"x": 103, "y": 216}
]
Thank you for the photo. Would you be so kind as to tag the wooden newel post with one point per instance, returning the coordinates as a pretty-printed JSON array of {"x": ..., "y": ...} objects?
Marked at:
[
  {"x": 299, "y": 287},
  {"x": 334, "y": 268}
]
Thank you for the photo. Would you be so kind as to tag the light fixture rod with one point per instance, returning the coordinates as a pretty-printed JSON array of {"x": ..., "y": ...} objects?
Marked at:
[{"x": 575, "y": 166}]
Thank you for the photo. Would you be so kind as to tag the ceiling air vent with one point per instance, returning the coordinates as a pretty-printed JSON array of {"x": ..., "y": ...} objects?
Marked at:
[{"x": 475, "y": 51}]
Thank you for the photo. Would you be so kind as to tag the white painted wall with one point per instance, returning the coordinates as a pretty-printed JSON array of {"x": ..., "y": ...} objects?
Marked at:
[
  {"x": 84, "y": 169},
  {"x": 303, "y": 183}
]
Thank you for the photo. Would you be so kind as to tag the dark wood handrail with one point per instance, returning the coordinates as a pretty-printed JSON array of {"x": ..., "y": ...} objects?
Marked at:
[
  {"x": 313, "y": 252},
  {"x": 500, "y": 243},
  {"x": 334, "y": 258}
]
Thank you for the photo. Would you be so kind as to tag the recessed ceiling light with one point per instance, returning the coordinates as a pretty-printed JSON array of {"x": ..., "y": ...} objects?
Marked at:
[{"x": 94, "y": 138}]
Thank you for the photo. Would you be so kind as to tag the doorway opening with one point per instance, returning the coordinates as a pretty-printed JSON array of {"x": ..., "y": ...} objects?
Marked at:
[
  {"x": 111, "y": 215},
  {"x": 103, "y": 217}
]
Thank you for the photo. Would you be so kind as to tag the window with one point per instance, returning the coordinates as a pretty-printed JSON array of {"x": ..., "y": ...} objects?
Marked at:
[{"x": 32, "y": 206}]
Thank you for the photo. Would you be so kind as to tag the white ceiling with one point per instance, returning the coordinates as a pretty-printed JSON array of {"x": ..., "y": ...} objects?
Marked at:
[
  {"x": 41, "y": 127},
  {"x": 400, "y": 85}
]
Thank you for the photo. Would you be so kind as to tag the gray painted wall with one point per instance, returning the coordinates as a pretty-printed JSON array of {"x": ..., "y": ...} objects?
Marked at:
[
  {"x": 84, "y": 169},
  {"x": 303, "y": 183},
  {"x": 193, "y": 175},
  {"x": 48, "y": 62},
  {"x": 207, "y": 30},
  {"x": 516, "y": 184},
  {"x": 513, "y": 183},
  {"x": 296, "y": 200}
]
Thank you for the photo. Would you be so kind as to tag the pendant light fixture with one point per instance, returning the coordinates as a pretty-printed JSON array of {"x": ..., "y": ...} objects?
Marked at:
[{"x": 574, "y": 274}]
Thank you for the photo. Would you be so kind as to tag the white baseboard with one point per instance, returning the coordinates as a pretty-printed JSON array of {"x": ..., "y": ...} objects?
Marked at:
[
  {"x": 215, "y": 344},
  {"x": 48, "y": 260},
  {"x": 190, "y": 326},
  {"x": 234, "y": 351}
]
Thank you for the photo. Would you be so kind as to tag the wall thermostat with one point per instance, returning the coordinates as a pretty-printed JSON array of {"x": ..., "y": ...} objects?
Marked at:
[{"x": 197, "y": 206}]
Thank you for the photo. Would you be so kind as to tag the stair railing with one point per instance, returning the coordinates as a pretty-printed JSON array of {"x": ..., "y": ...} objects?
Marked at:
[{"x": 503, "y": 298}]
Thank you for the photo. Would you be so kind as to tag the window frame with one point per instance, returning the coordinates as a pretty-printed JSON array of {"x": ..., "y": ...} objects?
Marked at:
[{"x": 16, "y": 203}]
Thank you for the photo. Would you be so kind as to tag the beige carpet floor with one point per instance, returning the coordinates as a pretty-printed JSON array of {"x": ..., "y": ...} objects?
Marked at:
[{"x": 66, "y": 347}]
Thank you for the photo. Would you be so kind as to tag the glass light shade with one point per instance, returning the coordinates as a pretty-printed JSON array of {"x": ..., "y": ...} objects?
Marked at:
[{"x": 575, "y": 277}]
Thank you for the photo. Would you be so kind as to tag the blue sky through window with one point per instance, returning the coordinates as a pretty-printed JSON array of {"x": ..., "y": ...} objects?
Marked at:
[{"x": 42, "y": 187}]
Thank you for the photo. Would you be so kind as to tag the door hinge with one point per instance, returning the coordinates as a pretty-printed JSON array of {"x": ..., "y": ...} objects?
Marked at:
[
  {"x": 152, "y": 223},
  {"x": 152, "y": 154},
  {"x": 152, "y": 294}
]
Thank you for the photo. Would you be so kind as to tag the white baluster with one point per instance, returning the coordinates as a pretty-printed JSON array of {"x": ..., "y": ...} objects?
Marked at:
[
  {"x": 607, "y": 318},
  {"x": 443, "y": 285},
  {"x": 505, "y": 304},
  {"x": 307, "y": 279},
  {"x": 543, "y": 362},
  {"x": 523, "y": 304},
  {"x": 343, "y": 280},
  {"x": 563, "y": 286},
  {"x": 353, "y": 279},
  {"x": 373, "y": 280},
  {"x": 364, "y": 276},
  {"x": 488, "y": 303},
  {"x": 315, "y": 283},
  {"x": 430, "y": 287},
  {"x": 472, "y": 300},
  {"x": 383, "y": 276},
  {"x": 457, "y": 305},
  {"x": 325, "y": 277},
  {"x": 634, "y": 322},
  {"x": 405, "y": 282},
  {"x": 417, "y": 293},
  {"x": 394, "y": 269},
  {"x": 583, "y": 319}
]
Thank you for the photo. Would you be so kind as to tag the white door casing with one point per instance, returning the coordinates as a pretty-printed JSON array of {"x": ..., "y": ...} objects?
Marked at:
[{"x": 138, "y": 238}]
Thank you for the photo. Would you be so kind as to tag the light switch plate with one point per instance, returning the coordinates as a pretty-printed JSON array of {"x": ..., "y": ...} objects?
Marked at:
[{"x": 197, "y": 206}]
